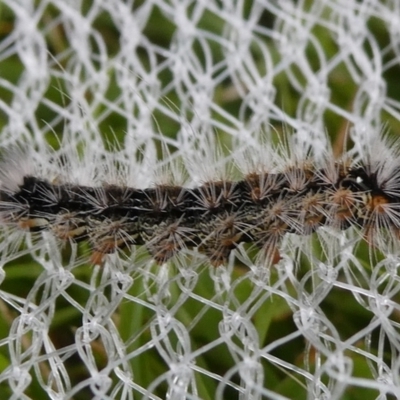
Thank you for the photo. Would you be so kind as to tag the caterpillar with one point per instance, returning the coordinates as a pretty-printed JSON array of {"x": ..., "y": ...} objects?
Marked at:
[{"x": 213, "y": 217}]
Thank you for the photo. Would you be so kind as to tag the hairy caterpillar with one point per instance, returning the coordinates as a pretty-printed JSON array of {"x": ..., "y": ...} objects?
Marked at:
[{"x": 214, "y": 217}]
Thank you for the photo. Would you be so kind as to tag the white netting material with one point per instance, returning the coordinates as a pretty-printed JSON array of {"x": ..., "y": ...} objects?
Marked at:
[{"x": 187, "y": 73}]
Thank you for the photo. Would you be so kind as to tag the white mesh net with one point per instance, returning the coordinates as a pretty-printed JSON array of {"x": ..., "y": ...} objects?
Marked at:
[{"x": 128, "y": 81}]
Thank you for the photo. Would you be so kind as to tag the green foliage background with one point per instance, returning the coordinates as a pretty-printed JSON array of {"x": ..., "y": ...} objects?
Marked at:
[{"x": 274, "y": 317}]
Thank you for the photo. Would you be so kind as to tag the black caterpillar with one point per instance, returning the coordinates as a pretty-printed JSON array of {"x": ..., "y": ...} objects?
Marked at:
[{"x": 214, "y": 217}]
